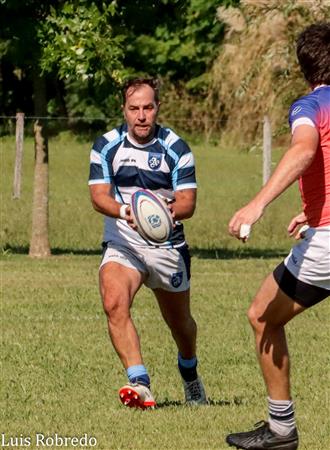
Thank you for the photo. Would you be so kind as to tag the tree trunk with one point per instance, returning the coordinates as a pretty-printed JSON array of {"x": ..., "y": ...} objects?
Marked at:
[{"x": 39, "y": 245}]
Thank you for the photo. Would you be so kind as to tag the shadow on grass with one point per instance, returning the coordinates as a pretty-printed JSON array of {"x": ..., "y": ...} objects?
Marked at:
[
  {"x": 210, "y": 402},
  {"x": 199, "y": 253},
  {"x": 240, "y": 253},
  {"x": 24, "y": 250}
]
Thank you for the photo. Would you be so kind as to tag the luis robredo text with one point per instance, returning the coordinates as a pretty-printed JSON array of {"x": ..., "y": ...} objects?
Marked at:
[{"x": 43, "y": 440}]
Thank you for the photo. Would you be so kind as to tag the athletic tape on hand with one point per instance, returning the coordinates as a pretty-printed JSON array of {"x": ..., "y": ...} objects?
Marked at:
[{"x": 245, "y": 231}]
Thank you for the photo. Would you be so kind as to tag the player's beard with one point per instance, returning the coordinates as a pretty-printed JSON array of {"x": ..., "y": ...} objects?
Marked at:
[{"x": 143, "y": 133}]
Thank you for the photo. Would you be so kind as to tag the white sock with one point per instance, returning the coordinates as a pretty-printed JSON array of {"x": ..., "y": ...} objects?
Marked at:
[{"x": 281, "y": 416}]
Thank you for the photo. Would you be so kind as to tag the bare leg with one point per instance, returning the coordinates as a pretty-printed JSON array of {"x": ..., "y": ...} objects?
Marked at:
[
  {"x": 268, "y": 313},
  {"x": 175, "y": 309},
  {"x": 118, "y": 286}
]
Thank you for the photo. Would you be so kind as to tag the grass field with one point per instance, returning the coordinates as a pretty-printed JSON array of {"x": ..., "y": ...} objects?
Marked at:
[{"x": 60, "y": 374}]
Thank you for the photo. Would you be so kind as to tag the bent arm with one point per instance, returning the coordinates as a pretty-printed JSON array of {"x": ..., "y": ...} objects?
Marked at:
[
  {"x": 184, "y": 204},
  {"x": 292, "y": 165},
  {"x": 103, "y": 201}
]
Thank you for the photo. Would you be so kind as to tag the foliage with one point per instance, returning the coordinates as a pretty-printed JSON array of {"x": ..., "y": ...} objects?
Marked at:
[
  {"x": 183, "y": 42},
  {"x": 19, "y": 52},
  {"x": 256, "y": 71},
  {"x": 87, "y": 48},
  {"x": 78, "y": 40}
]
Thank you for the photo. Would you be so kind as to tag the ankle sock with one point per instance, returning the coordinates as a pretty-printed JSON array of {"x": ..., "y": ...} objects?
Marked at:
[
  {"x": 138, "y": 374},
  {"x": 281, "y": 416},
  {"x": 188, "y": 368}
]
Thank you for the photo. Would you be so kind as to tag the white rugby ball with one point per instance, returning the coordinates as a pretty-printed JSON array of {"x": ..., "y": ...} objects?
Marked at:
[{"x": 151, "y": 216}]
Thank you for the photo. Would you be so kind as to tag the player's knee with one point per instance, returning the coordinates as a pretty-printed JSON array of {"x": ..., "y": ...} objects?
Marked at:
[
  {"x": 182, "y": 326},
  {"x": 188, "y": 326},
  {"x": 113, "y": 306},
  {"x": 193, "y": 324},
  {"x": 254, "y": 317}
]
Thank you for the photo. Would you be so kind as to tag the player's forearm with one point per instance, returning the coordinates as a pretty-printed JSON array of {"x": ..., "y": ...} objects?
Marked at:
[
  {"x": 184, "y": 204},
  {"x": 106, "y": 205},
  {"x": 293, "y": 164},
  {"x": 183, "y": 211}
]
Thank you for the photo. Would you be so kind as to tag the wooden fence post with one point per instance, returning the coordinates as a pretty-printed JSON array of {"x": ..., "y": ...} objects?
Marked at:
[
  {"x": 19, "y": 154},
  {"x": 267, "y": 149}
]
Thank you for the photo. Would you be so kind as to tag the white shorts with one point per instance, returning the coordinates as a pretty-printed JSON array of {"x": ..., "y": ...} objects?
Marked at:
[
  {"x": 309, "y": 261},
  {"x": 165, "y": 268}
]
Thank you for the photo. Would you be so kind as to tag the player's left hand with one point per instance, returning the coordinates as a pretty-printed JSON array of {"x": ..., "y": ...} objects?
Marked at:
[{"x": 170, "y": 207}]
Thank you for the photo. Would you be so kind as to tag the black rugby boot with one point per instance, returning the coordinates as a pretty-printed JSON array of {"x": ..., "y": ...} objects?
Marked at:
[{"x": 263, "y": 438}]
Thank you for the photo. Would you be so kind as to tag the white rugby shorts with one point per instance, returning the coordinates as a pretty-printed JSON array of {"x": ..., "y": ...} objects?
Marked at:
[
  {"x": 165, "y": 268},
  {"x": 309, "y": 261}
]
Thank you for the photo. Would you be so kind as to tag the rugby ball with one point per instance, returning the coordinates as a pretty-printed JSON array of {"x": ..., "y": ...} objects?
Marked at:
[{"x": 151, "y": 216}]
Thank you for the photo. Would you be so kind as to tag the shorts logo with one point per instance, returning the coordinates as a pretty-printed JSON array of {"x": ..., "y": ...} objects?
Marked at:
[
  {"x": 296, "y": 110},
  {"x": 176, "y": 279},
  {"x": 154, "y": 160}
]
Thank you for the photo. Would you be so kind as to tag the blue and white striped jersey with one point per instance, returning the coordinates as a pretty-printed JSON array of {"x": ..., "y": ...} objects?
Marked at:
[{"x": 164, "y": 165}]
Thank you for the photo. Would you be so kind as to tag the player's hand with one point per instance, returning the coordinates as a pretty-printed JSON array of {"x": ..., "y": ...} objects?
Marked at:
[
  {"x": 242, "y": 221},
  {"x": 129, "y": 218},
  {"x": 295, "y": 226},
  {"x": 169, "y": 204}
]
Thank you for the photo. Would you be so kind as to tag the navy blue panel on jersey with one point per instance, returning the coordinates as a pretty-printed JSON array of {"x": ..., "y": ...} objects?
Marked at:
[
  {"x": 186, "y": 175},
  {"x": 170, "y": 161},
  {"x": 95, "y": 172},
  {"x": 100, "y": 143},
  {"x": 180, "y": 148},
  {"x": 130, "y": 176}
]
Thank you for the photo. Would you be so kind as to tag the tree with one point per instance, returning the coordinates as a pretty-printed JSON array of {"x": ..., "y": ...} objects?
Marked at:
[
  {"x": 70, "y": 39},
  {"x": 39, "y": 244},
  {"x": 19, "y": 25}
]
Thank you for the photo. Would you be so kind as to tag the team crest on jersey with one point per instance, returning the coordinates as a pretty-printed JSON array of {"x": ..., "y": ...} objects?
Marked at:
[
  {"x": 154, "y": 160},
  {"x": 176, "y": 279}
]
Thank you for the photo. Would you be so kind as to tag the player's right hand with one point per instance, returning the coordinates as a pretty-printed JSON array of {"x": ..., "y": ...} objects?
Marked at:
[{"x": 243, "y": 220}]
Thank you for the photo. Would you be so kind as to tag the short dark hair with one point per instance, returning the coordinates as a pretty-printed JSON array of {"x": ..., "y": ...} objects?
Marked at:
[
  {"x": 137, "y": 82},
  {"x": 313, "y": 52}
]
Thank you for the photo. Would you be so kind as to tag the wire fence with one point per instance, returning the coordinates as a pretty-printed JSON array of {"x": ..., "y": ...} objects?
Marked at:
[{"x": 20, "y": 119}]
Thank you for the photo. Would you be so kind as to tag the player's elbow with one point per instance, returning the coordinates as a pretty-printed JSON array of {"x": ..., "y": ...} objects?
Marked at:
[
  {"x": 190, "y": 211},
  {"x": 95, "y": 204}
]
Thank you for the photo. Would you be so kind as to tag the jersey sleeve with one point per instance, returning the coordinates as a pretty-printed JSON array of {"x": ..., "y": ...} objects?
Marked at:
[
  {"x": 183, "y": 175},
  {"x": 100, "y": 171},
  {"x": 303, "y": 112}
]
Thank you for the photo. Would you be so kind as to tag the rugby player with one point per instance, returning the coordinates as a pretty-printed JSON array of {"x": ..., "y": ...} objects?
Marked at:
[
  {"x": 142, "y": 154},
  {"x": 303, "y": 279}
]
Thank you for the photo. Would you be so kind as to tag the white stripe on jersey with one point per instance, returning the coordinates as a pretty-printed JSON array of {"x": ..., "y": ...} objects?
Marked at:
[
  {"x": 186, "y": 161},
  {"x": 180, "y": 187},
  {"x": 301, "y": 121},
  {"x": 101, "y": 181},
  {"x": 135, "y": 158},
  {"x": 112, "y": 135},
  {"x": 95, "y": 157},
  {"x": 171, "y": 138}
]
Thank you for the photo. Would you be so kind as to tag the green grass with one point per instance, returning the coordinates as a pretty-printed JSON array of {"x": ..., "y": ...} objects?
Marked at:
[{"x": 59, "y": 372}]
